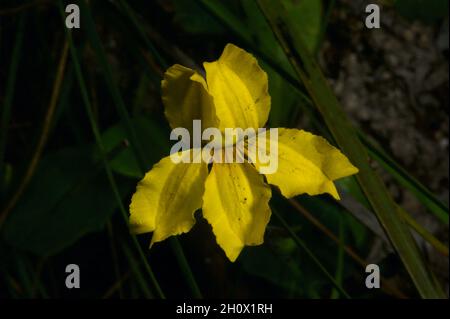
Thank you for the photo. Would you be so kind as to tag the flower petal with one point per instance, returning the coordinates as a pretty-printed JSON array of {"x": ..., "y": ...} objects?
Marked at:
[
  {"x": 167, "y": 197},
  {"x": 186, "y": 98},
  {"x": 240, "y": 89},
  {"x": 307, "y": 163},
  {"x": 236, "y": 204}
]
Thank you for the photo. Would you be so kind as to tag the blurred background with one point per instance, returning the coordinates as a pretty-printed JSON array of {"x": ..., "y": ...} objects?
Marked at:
[{"x": 69, "y": 97}]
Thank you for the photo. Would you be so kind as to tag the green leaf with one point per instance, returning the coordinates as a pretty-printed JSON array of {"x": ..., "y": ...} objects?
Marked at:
[
  {"x": 149, "y": 133},
  {"x": 307, "y": 15},
  {"x": 68, "y": 197}
]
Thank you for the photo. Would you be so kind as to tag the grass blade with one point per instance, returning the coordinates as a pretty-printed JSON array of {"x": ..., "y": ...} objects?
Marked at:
[
  {"x": 425, "y": 234},
  {"x": 136, "y": 271},
  {"x": 99, "y": 142},
  {"x": 112, "y": 86},
  {"x": 345, "y": 135},
  {"x": 425, "y": 196}
]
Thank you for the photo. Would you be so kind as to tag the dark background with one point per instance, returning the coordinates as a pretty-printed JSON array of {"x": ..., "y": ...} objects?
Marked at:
[{"x": 392, "y": 82}]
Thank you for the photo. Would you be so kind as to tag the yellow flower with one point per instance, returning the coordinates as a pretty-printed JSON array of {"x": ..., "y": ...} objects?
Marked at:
[{"x": 234, "y": 197}]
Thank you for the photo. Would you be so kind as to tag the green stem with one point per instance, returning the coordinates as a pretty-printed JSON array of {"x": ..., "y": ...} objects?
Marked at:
[
  {"x": 112, "y": 86},
  {"x": 109, "y": 174},
  {"x": 179, "y": 254},
  {"x": 340, "y": 258}
]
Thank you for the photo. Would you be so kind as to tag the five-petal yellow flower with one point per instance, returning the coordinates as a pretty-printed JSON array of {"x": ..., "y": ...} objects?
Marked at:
[{"x": 234, "y": 197}]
